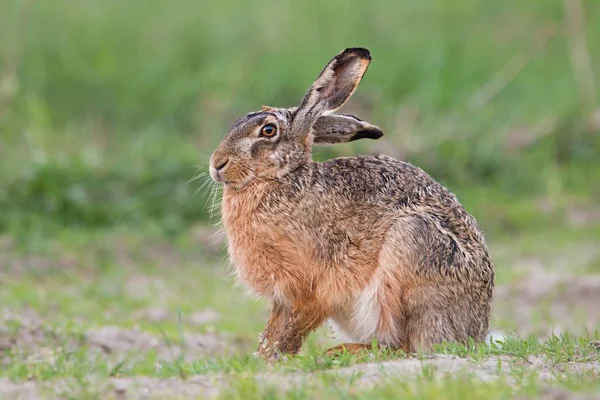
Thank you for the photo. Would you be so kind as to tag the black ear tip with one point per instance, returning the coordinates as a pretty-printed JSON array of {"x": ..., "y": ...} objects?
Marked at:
[
  {"x": 373, "y": 133},
  {"x": 358, "y": 51},
  {"x": 376, "y": 133}
]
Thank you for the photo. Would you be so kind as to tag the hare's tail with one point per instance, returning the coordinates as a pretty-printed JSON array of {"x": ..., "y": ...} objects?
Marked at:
[{"x": 496, "y": 336}]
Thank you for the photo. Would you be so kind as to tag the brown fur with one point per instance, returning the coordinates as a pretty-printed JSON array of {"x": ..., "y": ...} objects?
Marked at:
[{"x": 371, "y": 243}]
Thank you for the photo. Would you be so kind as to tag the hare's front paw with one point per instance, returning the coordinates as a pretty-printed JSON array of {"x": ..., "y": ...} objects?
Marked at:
[
  {"x": 267, "y": 350},
  {"x": 271, "y": 357}
]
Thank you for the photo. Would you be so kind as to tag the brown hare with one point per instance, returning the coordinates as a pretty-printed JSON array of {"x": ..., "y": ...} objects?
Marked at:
[{"x": 372, "y": 244}]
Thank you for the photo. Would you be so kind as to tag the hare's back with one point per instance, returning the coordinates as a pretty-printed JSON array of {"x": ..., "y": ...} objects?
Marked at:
[
  {"x": 376, "y": 190},
  {"x": 338, "y": 198},
  {"x": 382, "y": 182},
  {"x": 428, "y": 215}
]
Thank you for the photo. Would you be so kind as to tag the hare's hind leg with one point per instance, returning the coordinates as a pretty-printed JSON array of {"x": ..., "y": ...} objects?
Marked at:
[
  {"x": 426, "y": 328},
  {"x": 440, "y": 314},
  {"x": 357, "y": 348},
  {"x": 441, "y": 295},
  {"x": 350, "y": 348}
]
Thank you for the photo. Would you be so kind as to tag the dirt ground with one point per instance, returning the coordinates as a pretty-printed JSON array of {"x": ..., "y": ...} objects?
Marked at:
[
  {"x": 29, "y": 337},
  {"x": 568, "y": 302},
  {"x": 543, "y": 304},
  {"x": 369, "y": 375}
]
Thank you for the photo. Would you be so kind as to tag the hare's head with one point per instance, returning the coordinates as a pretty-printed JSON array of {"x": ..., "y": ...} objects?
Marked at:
[{"x": 274, "y": 141}]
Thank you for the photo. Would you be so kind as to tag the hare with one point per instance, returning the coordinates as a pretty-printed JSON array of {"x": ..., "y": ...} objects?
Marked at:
[{"x": 371, "y": 244}]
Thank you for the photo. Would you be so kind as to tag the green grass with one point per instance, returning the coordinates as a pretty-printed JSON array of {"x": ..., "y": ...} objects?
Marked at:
[
  {"x": 61, "y": 363},
  {"x": 245, "y": 375},
  {"x": 456, "y": 386}
]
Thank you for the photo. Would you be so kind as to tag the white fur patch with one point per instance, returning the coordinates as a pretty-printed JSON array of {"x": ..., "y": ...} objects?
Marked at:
[{"x": 361, "y": 323}]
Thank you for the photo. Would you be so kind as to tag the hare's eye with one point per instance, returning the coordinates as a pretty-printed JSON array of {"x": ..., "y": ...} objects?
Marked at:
[{"x": 268, "y": 130}]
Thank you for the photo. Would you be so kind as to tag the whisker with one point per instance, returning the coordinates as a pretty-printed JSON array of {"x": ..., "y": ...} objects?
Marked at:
[
  {"x": 216, "y": 195},
  {"x": 205, "y": 186},
  {"x": 198, "y": 176}
]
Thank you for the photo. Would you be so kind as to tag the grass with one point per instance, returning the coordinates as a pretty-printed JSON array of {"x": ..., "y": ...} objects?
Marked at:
[
  {"x": 244, "y": 376},
  {"x": 424, "y": 386}
]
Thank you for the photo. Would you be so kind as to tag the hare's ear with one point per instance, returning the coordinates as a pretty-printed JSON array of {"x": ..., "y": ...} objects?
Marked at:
[
  {"x": 343, "y": 128},
  {"x": 336, "y": 83}
]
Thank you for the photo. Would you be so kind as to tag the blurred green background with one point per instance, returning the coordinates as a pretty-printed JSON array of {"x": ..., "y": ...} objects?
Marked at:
[{"x": 108, "y": 108}]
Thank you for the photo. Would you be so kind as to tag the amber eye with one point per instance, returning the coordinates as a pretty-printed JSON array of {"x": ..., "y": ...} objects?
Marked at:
[{"x": 269, "y": 130}]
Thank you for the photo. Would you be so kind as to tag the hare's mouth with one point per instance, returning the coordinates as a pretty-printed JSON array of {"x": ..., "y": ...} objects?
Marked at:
[
  {"x": 226, "y": 181},
  {"x": 236, "y": 184}
]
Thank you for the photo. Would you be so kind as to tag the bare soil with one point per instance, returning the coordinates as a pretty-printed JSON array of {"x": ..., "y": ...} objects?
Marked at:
[
  {"x": 27, "y": 335},
  {"x": 543, "y": 304}
]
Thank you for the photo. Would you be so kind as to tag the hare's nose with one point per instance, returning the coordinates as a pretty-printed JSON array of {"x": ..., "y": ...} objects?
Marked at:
[
  {"x": 217, "y": 169},
  {"x": 222, "y": 165}
]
